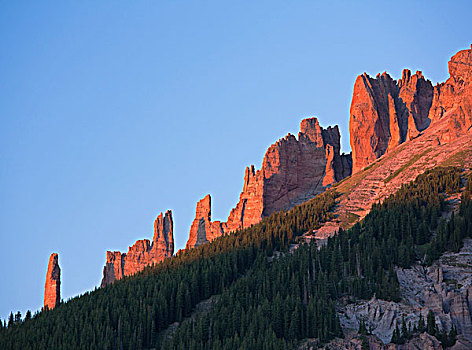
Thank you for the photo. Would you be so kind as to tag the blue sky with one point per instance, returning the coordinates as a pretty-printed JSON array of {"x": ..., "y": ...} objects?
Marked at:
[{"x": 114, "y": 111}]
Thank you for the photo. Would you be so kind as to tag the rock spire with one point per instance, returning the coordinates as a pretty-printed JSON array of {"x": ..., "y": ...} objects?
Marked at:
[
  {"x": 203, "y": 230},
  {"x": 142, "y": 253},
  {"x": 52, "y": 289}
]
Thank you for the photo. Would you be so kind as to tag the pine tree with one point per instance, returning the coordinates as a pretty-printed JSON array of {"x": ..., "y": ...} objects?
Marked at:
[
  {"x": 362, "y": 327},
  {"x": 431, "y": 323},
  {"x": 421, "y": 324},
  {"x": 365, "y": 343},
  {"x": 10, "y": 320},
  {"x": 404, "y": 334},
  {"x": 396, "y": 335}
]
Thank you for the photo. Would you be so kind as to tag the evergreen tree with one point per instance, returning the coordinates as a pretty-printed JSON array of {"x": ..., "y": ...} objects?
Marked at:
[{"x": 431, "y": 323}]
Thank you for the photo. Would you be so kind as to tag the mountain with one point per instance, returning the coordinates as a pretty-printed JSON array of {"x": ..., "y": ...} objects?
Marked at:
[
  {"x": 447, "y": 140},
  {"x": 311, "y": 255},
  {"x": 386, "y": 113}
]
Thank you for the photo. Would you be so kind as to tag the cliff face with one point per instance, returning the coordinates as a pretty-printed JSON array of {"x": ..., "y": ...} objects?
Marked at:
[
  {"x": 142, "y": 253},
  {"x": 293, "y": 171},
  {"x": 385, "y": 113},
  {"x": 422, "y": 289},
  {"x": 203, "y": 230},
  {"x": 52, "y": 289},
  {"x": 453, "y": 98}
]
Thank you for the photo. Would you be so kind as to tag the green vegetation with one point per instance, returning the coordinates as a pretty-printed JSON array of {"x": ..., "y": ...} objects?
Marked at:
[
  {"x": 347, "y": 219},
  {"x": 265, "y": 299},
  {"x": 450, "y": 234},
  {"x": 457, "y": 159}
]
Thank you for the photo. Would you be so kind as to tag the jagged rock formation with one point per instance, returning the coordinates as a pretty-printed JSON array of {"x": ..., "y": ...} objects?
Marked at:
[
  {"x": 142, "y": 253},
  {"x": 293, "y": 171},
  {"x": 52, "y": 289},
  {"x": 203, "y": 230},
  {"x": 385, "y": 113},
  {"x": 446, "y": 141}
]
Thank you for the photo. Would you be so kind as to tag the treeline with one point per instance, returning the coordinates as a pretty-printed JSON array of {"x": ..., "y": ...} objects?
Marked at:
[{"x": 265, "y": 296}]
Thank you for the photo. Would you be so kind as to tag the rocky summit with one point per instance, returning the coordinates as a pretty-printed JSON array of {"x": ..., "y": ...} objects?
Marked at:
[
  {"x": 386, "y": 113},
  {"x": 52, "y": 289},
  {"x": 142, "y": 253},
  {"x": 293, "y": 171}
]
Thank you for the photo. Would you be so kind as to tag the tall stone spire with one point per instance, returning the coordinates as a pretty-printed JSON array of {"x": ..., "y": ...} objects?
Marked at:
[{"x": 52, "y": 289}]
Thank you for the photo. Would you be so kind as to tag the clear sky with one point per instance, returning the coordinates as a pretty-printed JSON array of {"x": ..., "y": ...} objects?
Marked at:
[{"x": 113, "y": 111}]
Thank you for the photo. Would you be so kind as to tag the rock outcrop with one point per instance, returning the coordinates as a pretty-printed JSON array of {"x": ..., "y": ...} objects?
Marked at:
[
  {"x": 385, "y": 113},
  {"x": 453, "y": 98},
  {"x": 203, "y": 230},
  {"x": 293, "y": 171},
  {"x": 52, "y": 289},
  {"x": 445, "y": 288},
  {"x": 142, "y": 253}
]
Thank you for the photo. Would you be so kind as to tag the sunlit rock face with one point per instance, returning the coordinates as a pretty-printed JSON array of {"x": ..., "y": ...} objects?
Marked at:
[
  {"x": 293, "y": 171},
  {"x": 203, "y": 230},
  {"x": 453, "y": 98},
  {"x": 142, "y": 253},
  {"x": 52, "y": 289},
  {"x": 385, "y": 113}
]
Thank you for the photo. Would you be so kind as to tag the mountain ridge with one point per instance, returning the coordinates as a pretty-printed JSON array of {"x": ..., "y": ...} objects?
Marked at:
[{"x": 385, "y": 115}]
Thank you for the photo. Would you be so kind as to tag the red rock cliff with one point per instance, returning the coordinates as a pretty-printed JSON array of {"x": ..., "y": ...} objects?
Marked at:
[
  {"x": 52, "y": 289},
  {"x": 203, "y": 230},
  {"x": 293, "y": 170},
  {"x": 453, "y": 98},
  {"x": 385, "y": 113},
  {"x": 142, "y": 253}
]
